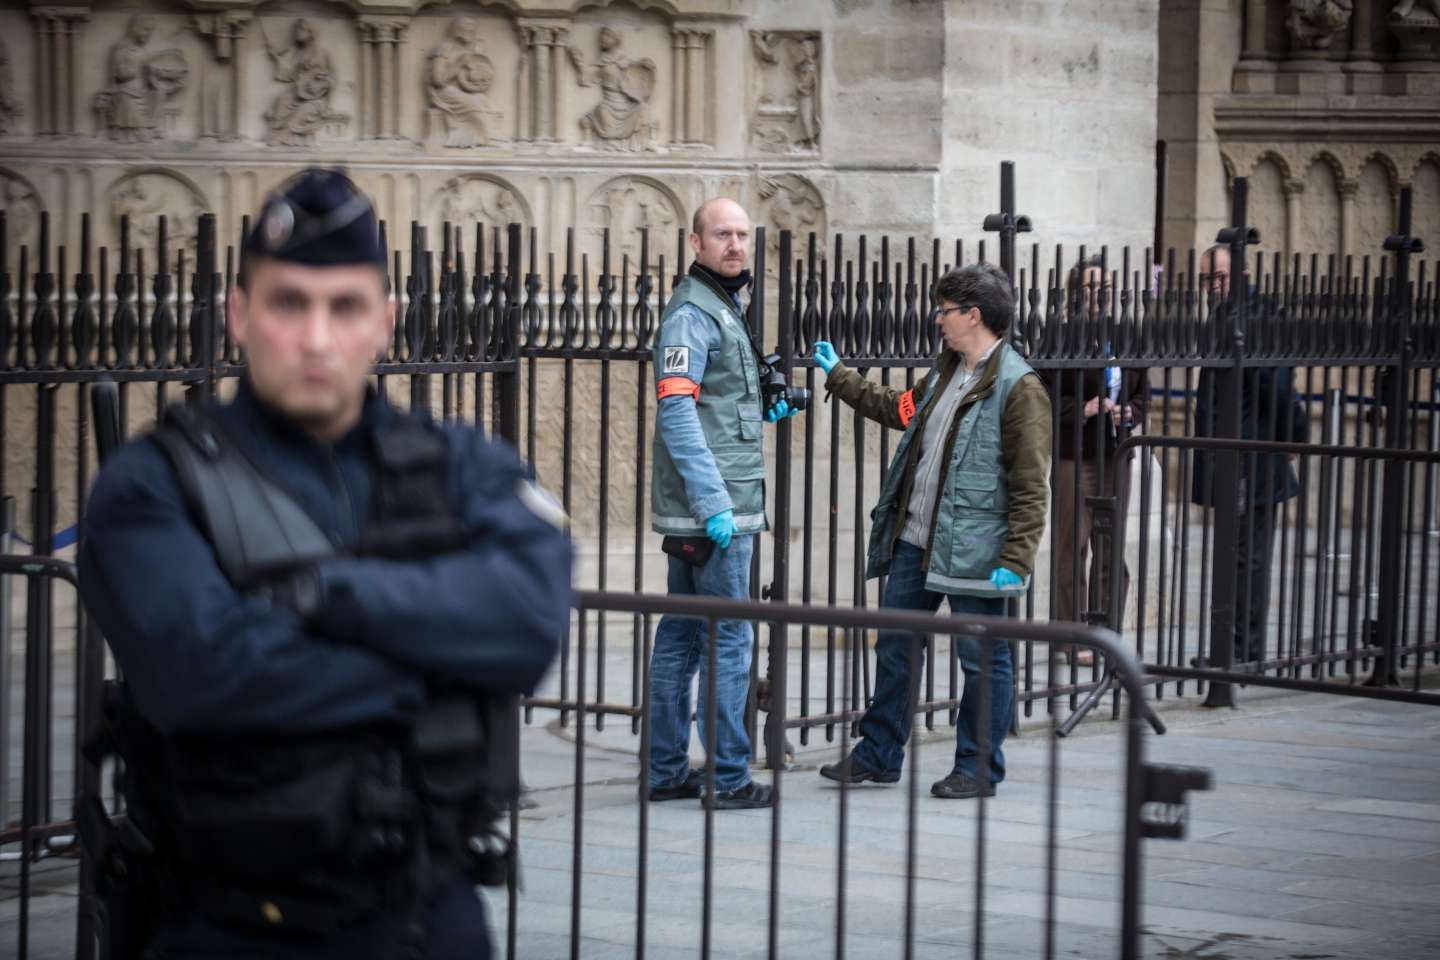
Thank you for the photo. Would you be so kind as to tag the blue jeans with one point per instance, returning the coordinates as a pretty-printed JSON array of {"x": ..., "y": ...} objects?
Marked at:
[
  {"x": 886, "y": 724},
  {"x": 680, "y": 653}
]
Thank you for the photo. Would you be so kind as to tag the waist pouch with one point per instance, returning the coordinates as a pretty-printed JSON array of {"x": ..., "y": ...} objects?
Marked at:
[{"x": 298, "y": 837}]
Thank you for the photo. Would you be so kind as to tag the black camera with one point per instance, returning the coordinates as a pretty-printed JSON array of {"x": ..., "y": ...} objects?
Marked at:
[{"x": 774, "y": 387}]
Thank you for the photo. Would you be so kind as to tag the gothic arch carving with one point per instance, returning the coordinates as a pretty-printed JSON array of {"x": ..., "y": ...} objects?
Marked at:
[
  {"x": 1274, "y": 156},
  {"x": 1429, "y": 156},
  {"x": 471, "y": 198},
  {"x": 22, "y": 204},
  {"x": 1336, "y": 166},
  {"x": 627, "y": 203},
  {"x": 1229, "y": 167},
  {"x": 147, "y": 193},
  {"x": 1387, "y": 162}
]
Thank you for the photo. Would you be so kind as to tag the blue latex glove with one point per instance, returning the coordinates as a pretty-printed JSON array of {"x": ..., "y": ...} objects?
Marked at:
[
  {"x": 825, "y": 356},
  {"x": 780, "y": 411},
  {"x": 1002, "y": 578},
  {"x": 721, "y": 528}
]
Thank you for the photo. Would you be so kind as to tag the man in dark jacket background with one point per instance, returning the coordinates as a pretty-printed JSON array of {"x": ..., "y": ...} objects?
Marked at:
[{"x": 1269, "y": 410}]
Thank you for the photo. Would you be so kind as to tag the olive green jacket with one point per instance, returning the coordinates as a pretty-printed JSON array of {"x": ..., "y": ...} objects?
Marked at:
[{"x": 994, "y": 487}]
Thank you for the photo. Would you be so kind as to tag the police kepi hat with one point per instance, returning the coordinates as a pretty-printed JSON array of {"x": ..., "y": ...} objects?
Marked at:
[{"x": 319, "y": 218}]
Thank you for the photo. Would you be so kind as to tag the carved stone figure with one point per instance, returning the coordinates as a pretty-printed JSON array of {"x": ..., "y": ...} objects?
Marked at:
[
  {"x": 303, "y": 109},
  {"x": 627, "y": 204},
  {"x": 1314, "y": 24},
  {"x": 143, "y": 83},
  {"x": 22, "y": 211},
  {"x": 1404, "y": 9},
  {"x": 790, "y": 202},
  {"x": 10, "y": 106},
  {"x": 807, "y": 80},
  {"x": 470, "y": 200},
  {"x": 1416, "y": 25},
  {"x": 621, "y": 120},
  {"x": 786, "y": 116},
  {"x": 145, "y": 197},
  {"x": 459, "y": 79}
]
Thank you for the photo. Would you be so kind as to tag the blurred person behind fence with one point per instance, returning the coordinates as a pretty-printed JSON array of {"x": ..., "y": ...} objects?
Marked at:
[
  {"x": 1269, "y": 410},
  {"x": 1097, "y": 413}
]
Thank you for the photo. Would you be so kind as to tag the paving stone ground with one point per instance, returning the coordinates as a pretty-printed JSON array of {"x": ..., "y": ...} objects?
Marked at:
[{"x": 1320, "y": 839}]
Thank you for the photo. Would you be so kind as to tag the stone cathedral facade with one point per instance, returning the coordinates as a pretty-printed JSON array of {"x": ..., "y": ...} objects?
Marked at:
[{"x": 877, "y": 116}]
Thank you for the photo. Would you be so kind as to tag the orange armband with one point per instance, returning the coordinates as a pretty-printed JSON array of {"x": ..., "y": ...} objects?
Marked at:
[
  {"x": 679, "y": 387},
  {"x": 907, "y": 407}
]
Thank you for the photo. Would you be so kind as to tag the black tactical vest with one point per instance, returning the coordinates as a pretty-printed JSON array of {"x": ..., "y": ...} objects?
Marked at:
[{"x": 305, "y": 834}]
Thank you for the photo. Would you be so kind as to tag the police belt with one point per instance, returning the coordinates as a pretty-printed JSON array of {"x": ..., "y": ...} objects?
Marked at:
[{"x": 306, "y": 833}]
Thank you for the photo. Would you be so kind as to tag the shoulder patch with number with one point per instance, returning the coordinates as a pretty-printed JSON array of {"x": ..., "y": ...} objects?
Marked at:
[
  {"x": 539, "y": 502},
  {"x": 677, "y": 360}
]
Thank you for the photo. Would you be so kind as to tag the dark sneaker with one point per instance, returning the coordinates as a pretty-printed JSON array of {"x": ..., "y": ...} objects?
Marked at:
[
  {"x": 752, "y": 796},
  {"x": 687, "y": 789},
  {"x": 851, "y": 771},
  {"x": 959, "y": 786}
]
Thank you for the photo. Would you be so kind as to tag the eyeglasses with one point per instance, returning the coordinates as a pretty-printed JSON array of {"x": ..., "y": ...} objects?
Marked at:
[{"x": 941, "y": 311}]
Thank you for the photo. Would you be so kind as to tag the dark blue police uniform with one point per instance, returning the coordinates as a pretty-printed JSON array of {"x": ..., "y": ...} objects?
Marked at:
[{"x": 203, "y": 659}]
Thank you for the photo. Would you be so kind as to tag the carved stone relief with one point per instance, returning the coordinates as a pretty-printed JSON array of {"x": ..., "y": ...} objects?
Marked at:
[
  {"x": 789, "y": 202},
  {"x": 301, "y": 111},
  {"x": 625, "y": 205},
  {"x": 476, "y": 198},
  {"x": 458, "y": 80},
  {"x": 139, "y": 103},
  {"x": 10, "y": 107},
  {"x": 1416, "y": 25},
  {"x": 785, "y": 117},
  {"x": 147, "y": 195},
  {"x": 1314, "y": 24},
  {"x": 22, "y": 212},
  {"x": 622, "y": 119}
]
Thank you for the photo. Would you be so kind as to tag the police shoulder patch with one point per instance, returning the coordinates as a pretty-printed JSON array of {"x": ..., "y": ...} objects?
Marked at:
[
  {"x": 676, "y": 360},
  {"x": 539, "y": 502}
]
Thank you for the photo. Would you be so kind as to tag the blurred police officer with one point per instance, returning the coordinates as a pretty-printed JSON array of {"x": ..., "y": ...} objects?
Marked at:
[
  {"x": 315, "y": 601},
  {"x": 708, "y": 488}
]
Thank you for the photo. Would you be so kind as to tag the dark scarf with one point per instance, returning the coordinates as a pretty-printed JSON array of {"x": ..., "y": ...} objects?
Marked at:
[{"x": 729, "y": 286}]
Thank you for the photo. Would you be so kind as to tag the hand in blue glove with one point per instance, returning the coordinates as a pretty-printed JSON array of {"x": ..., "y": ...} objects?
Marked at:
[
  {"x": 721, "y": 528},
  {"x": 825, "y": 356},
  {"x": 1003, "y": 579},
  {"x": 780, "y": 411}
]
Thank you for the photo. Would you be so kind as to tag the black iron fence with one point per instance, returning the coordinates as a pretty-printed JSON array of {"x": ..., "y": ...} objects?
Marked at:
[{"x": 553, "y": 352}]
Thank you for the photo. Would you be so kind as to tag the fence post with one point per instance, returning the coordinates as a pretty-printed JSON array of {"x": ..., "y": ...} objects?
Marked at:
[
  {"x": 779, "y": 590},
  {"x": 1225, "y": 483},
  {"x": 505, "y": 401},
  {"x": 1395, "y": 497},
  {"x": 1007, "y": 223}
]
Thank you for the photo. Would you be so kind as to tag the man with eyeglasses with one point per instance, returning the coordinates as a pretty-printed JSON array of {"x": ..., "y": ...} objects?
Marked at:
[
  {"x": 323, "y": 609},
  {"x": 960, "y": 518}
]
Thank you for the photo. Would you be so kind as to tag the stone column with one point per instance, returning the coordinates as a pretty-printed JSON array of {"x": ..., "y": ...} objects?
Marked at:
[
  {"x": 1294, "y": 189},
  {"x": 677, "y": 87},
  {"x": 382, "y": 38},
  {"x": 544, "y": 42},
  {"x": 1254, "y": 56},
  {"x": 226, "y": 33},
  {"x": 690, "y": 90},
  {"x": 56, "y": 30},
  {"x": 1348, "y": 190},
  {"x": 1362, "y": 57}
]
